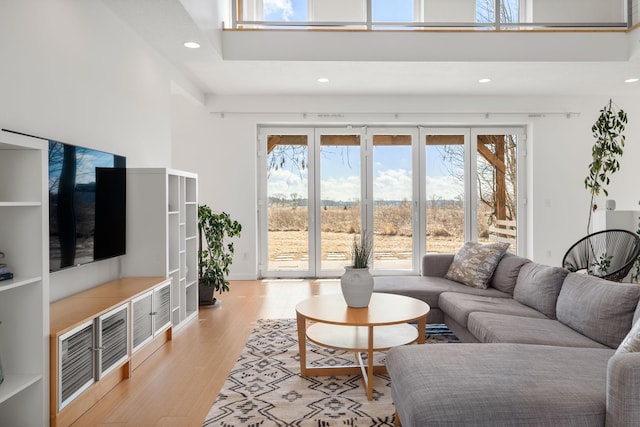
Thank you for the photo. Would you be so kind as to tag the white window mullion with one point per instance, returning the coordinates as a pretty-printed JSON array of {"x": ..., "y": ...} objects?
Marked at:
[
  {"x": 471, "y": 187},
  {"x": 521, "y": 219},
  {"x": 314, "y": 205},
  {"x": 263, "y": 256},
  {"x": 419, "y": 202},
  {"x": 367, "y": 181}
]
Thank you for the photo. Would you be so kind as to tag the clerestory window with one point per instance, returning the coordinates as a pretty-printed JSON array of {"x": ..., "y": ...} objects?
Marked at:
[{"x": 415, "y": 14}]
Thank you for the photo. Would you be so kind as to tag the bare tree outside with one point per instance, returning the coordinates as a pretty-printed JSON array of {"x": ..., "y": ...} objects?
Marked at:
[
  {"x": 509, "y": 11},
  {"x": 496, "y": 179}
]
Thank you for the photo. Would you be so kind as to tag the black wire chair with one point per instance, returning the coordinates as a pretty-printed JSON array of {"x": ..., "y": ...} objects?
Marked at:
[{"x": 608, "y": 254}]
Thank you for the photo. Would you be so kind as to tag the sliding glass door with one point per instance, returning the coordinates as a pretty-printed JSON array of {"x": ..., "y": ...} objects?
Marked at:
[
  {"x": 497, "y": 185},
  {"x": 339, "y": 197},
  {"x": 287, "y": 202},
  {"x": 413, "y": 190},
  {"x": 445, "y": 190},
  {"x": 392, "y": 197},
  {"x": 472, "y": 187}
]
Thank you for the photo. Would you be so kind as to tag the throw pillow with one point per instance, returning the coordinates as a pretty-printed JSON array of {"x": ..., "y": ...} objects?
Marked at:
[
  {"x": 630, "y": 343},
  {"x": 474, "y": 263}
]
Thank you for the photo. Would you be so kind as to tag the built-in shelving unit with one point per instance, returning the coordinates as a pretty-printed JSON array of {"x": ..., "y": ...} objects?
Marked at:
[
  {"x": 162, "y": 233},
  {"x": 24, "y": 300}
]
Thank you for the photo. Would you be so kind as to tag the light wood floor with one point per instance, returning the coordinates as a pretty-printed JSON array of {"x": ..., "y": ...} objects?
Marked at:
[{"x": 176, "y": 386}]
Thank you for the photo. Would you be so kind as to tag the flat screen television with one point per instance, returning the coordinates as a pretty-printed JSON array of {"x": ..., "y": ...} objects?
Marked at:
[{"x": 87, "y": 205}]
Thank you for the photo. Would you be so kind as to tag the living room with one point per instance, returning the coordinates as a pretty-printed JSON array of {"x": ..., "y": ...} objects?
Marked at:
[{"x": 82, "y": 73}]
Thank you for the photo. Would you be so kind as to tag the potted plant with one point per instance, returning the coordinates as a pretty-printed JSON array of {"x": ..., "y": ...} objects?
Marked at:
[
  {"x": 357, "y": 282},
  {"x": 608, "y": 132},
  {"x": 215, "y": 252}
]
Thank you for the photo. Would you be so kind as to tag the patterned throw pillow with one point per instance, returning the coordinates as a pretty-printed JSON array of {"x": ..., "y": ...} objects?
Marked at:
[
  {"x": 631, "y": 343},
  {"x": 474, "y": 263}
]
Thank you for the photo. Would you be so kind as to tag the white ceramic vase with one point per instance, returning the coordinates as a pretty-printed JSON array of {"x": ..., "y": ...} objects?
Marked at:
[{"x": 357, "y": 286}]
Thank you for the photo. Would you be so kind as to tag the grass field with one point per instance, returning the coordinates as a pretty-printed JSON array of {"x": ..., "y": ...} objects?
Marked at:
[{"x": 288, "y": 230}]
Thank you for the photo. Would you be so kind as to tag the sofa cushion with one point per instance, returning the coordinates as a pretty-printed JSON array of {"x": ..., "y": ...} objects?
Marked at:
[
  {"x": 498, "y": 385},
  {"x": 506, "y": 272},
  {"x": 538, "y": 286},
  {"x": 458, "y": 306},
  {"x": 436, "y": 264},
  {"x": 600, "y": 309},
  {"x": 504, "y": 328},
  {"x": 474, "y": 263},
  {"x": 631, "y": 342},
  {"x": 427, "y": 288}
]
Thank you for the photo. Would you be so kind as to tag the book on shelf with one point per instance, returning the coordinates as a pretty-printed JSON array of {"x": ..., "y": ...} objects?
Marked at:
[
  {"x": 6, "y": 276},
  {"x": 4, "y": 268}
]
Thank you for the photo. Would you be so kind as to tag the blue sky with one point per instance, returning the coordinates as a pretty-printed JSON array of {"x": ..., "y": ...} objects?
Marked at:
[{"x": 392, "y": 171}]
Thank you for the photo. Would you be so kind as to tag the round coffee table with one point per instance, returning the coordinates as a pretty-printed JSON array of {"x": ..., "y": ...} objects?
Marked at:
[{"x": 327, "y": 321}]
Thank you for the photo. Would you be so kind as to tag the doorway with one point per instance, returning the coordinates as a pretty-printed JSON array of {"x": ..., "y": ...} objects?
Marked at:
[{"x": 415, "y": 190}]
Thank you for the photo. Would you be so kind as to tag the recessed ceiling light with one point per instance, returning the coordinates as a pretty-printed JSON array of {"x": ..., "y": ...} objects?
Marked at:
[
  {"x": 484, "y": 81},
  {"x": 192, "y": 45},
  {"x": 631, "y": 80},
  {"x": 323, "y": 80}
]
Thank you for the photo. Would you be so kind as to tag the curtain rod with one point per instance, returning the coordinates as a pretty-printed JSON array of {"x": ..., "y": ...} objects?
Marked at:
[{"x": 396, "y": 116}]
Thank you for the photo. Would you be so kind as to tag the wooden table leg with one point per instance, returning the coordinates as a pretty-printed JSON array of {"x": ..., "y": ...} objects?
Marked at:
[
  {"x": 302, "y": 342},
  {"x": 422, "y": 329},
  {"x": 370, "y": 365}
]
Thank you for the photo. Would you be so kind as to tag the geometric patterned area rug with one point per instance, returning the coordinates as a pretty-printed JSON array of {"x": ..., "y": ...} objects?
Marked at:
[{"x": 265, "y": 387}]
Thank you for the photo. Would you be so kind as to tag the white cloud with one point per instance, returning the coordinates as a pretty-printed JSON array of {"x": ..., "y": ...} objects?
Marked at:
[
  {"x": 396, "y": 184},
  {"x": 340, "y": 189},
  {"x": 444, "y": 187},
  {"x": 283, "y": 183},
  {"x": 280, "y": 7},
  {"x": 392, "y": 184},
  {"x": 389, "y": 184}
]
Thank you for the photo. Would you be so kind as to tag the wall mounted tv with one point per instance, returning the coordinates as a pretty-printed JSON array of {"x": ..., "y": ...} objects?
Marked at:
[{"x": 87, "y": 205}]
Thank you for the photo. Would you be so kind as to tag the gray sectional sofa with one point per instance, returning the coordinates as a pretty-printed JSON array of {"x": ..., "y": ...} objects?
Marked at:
[{"x": 539, "y": 348}]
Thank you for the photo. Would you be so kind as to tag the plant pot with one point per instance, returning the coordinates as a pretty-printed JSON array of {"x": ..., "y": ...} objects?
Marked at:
[
  {"x": 205, "y": 295},
  {"x": 357, "y": 286}
]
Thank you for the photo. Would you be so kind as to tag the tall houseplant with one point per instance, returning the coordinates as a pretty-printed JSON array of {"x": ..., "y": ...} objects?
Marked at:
[
  {"x": 357, "y": 282},
  {"x": 215, "y": 253},
  {"x": 608, "y": 132}
]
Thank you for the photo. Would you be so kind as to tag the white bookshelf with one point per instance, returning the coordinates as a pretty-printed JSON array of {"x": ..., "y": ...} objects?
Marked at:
[
  {"x": 24, "y": 300},
  {"x": 162, "y": 233}
]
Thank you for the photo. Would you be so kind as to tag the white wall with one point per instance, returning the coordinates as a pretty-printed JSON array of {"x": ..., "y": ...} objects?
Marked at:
[
  {"x": 449, "y": 11},
  {"x": 577, "y": 11},
  {"x": 72, "y": 71},
  {"x": 223, "y": 154},
  {"x": 337, "y": 10},
  {"x": 222, "y": 150}
]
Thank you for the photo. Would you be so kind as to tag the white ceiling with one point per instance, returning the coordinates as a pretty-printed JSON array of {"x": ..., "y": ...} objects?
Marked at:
[{"x": 397, "y": 63}]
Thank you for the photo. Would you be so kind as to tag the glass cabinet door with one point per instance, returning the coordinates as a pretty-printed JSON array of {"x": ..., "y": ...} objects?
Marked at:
[
  {"x": 162, "y": 308},
  {"x": 142, "y": 321},
  {"x": 113, "y": 339},
  {"x": 76, "y": 362}
]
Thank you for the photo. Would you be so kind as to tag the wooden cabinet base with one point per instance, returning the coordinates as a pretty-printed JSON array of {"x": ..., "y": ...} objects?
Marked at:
[
  {"x": 79, "y": 309},
  {"x": 93, "y": 394},
  {"x": 149, "y": 348}
]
